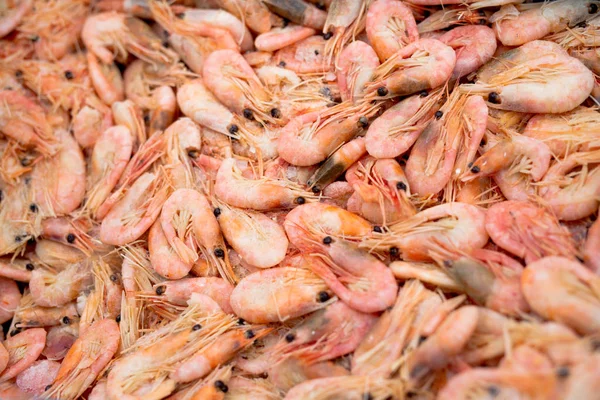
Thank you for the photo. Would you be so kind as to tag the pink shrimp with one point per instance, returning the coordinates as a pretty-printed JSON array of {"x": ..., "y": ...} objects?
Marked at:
[
  {"x": 10, "y": 299},
  {"x": 355, "y": 67},
  {"x": 351, "y": 387},
  {"x": 253, "y": 12},
  {"x": 37, "y": 376},
  {"x": 279, "y": 38},
  {"x": 59, "y": 340},
  {"x": 12, "y": 14},
  {"x": 163, "y": 258},
  {"x": 181, "y": 291},
  {"x": 453, "y": 15},
  {"x": 390, "y": 26},
  {"x": 304, "y": 57},
  {"x": 527, "y": 231},
  {"x": 91, "y": 121},
  {"x": 474, "y": 46},
  {"x": 18, "y": 269},
  {"x": 23, "y": 348},
  {"x": 106, "y": 79},
  {"x": 592, "y": 244}
]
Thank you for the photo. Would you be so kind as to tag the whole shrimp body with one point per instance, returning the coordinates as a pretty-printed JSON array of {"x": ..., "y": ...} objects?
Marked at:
[{"x": 299, "y": 199}]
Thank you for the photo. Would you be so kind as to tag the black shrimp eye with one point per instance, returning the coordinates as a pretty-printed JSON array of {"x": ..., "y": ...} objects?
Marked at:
[
  {"x": 180, "y": 15},
  {"x": 241, "y": 321},
  {"x": 322, "y": 297},
  {"x": 248, "y": 113},
  {"x": 327, "y": 240},
  {"x": 439, "y": 114},
  {"x": 593, "y": 8},
  {"x": 377, "y": 229},
  {"x": 475, "y": 169},
  {"x": 233, "y": 128},
  {"x": 382, "y": 91},
  {"x": 29, "y": 267},
  {"x": 494, "y": 98},
  {"x": 282, "y": 64},
  {"x": 220, "y": 385},
  {"x": 18, "y": 239},
  {"x": 493, "y": 391},
  {"x": 394, "y": 251},
  {"x": 196, "y": 327},
  {"x": 363, "y": 122},
  {"x": 160, "y": 290},
  {"x": 146, "y": 119},
  {"x": 18, "y": 73},
  {"x": 69, "y": 75},
  {"x": 114, "y": 278},
  {"x": 327, "y": 36},
  {"x": 70, "y": 238},
  {"x": 290, "y": 337},
  {"x": 320, "y": 5},
  {"x": 401, "y": 186},
  {"x": 300, "y": 200},
  {"x": 423, "y": 93},
  {"x": 66, "y": 320},
  {"x": 367, "y": 396},
  {"x": 275, "y": 113},
  {"x": 249, "y": 334},
  {"x": 316, "y": 52},
  {"x": 15, "y": 331},
  {"x": 193, "y": 154},
  {"x": 563, "y": 372},
  {"x": 35, "y": 38},
  {"x": 33, "y": 207},
  {"x": 47, "y": 388},
  {"x": 315, "y": 189},
  {"x": 219, "y": 253},
  {"x": 118, "y": 319},
  {"x": 217, "y": 212}
]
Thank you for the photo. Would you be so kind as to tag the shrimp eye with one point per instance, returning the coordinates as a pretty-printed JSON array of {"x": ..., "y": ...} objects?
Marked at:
[
  {"x": 382, "y": 91},
  {"x": 118, "y": 319},
  {"x": 377, "y": 229},
  {"x": 494, "y": 98},
  {"x": 316, "y": 52},
  {"x": 241, "y": 321},
  {"x": 233, "y": 128},
  {"x": 286, "y": 22},
  {"x": 327, "y": 240},
  {"x": 249, "y": 334},
  {"x": 248, "y": 113},
  {"x": 439, "y": 114},
  {"x": 327, "y": 36},
  {"x": 219, "y": 253},
  {"x": 580, "y": 25},
  {"x": 363, "y": 122},
  {"x": 563, "y": 372},
  {"x": 593, "y": 8},
  {"x": 316, "y": 189},
  {"x": 180, "y": 15},
  {"x": 275, "y": 113},
  {"x": 31, "y": 240},
  {"x": 422, "y": 339},
  {"x": 220, "y": 385},
  {"x": 282, "y": 64},
  {"x": 25, "y": 161},
  {"x": 367, "y": 396},
  {"x": 290, "y": 337},
  {"x": 114, "y": 278},
  {"x": 322, "y": 297},
  {"x": 15, "y": 331},
  {"x": 160, "y": 290},
  {"x": 146, "y": 119},
  {"x": 47, "y": 388},
  {"x": 394, "y": 251},
  {"x": 401, "y": 186},
  {"x": 70, "y": 238},
  {"x": 18, "y": 238},
  {"x": 300, "y": 200},
  {"x": 595, "y": 345},
  {"x": 475, "y": 169},
  {"x": 320, "y": 5},
  {"x": 18, "y": 73},
  {"x": 33, "y": 208},
  {"x": 423, "y": 93},
  {"x": 196, "y": 327},
  {"x": 35, "y": 38},
  {"x": 29, "y": 267},
  {"x": 68, "y": 74},
  {"x": 493, "y": 391},
  {"x": 193, "y": 154},
  {"x": 217, "y": 212},
  {"x": 66, "y": 320}
]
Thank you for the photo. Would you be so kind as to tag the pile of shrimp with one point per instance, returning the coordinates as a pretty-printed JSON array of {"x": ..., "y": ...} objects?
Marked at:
[{"x": 299, "y": 199}]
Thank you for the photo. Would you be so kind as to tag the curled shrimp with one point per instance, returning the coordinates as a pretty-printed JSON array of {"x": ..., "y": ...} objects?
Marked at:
[
  {"x": 23, "y": 349},
  {"x": 355, "y": 67},
  {"x": 39, "y": 375},
  {"x": 91, "y": 121},
  {"x": 10, "y": 299},
  {"x": 421, "y": 65},
  {"x": 12, "y": 14},
  {"x": 474, "y": 47},
  {"x": 56, "y": 289},
  {"x": 278, "y": 294},
  {"x": 355, "y": 276},
  {"x": 390, "y": 26},
  {"x": 163, "y": 258},
  {"x": 527, "y": 231},
  {"x": 571, "y": 292},
  {"x": 106, "y": 79},
  {"x": 88, "y": 356}
]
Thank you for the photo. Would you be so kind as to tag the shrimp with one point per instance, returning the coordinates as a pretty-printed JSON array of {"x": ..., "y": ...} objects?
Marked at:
[
  {"x": 590, "y": 250},
  {"x": 259, "y": 240},
  {"x": 91, "y": 121},
  {"x": 106, "y": 79},
  {"x": 304, "y": 57},
  {"x": 396, "y": 130},
  {"x": 23, "y": 349},
  {"x": 229, "y": 77},
  {"x": 279, "y": 38},
  {"x": 448, "y": 340},
  {"x": 23, "y": 120},
  {"x": 532, "y": 77},
  {"x": 292, "y": 372},
  {"x": 128, "y": 114},
  {"x": 133, "y": 215},
  {"x": 575, "y": 296},
  {"x": 453, "y": 15},
  {"x": 13, "y": 13},
  {"x": 390, "y": 26},
  {"x": 435, "y": 233},
  {"x": 355, "y": 276},
  {"x": 18, "y": 269},
  {"x": 259, "y": 194},
  {"x": 59, "y": 340},
  {"x": 111, "y": 35},
  {"x": 181, "y": 291},
  {"x": 10, "y": 299},
  {"x": 254, "y": 13},
  {"x": 345, "y": 19},
  {"x": 110, "y": 156},
  {"x": 88, "y": 356},
  {"x": 214, "y": 386},
  {"x": 57, "y": 289},
  {"x": 39, "y": 375},
  {"x": 351, "y": 387},
  {"x": 337, "y": 163},
  {"x": 527, "y": 231},
  {"x": 59, "y": 182},
  {"x": 572, "y": 194},
  {"x": 163, "y": 258},
  {"x": 474, "y": 47},
  {"x": 68, "y": 231},
  {"x": 29, "y": 316},
  {"x": 188, "y": 223},
  {"x": 421, "y": 65},
  {"x": 279, "y": 294},
  {"x": 299, "y": 12},
  {"x": 381, "y": 191},
  {"x": 541, "y": 21},
  {"x": 355, "y": 67}
]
